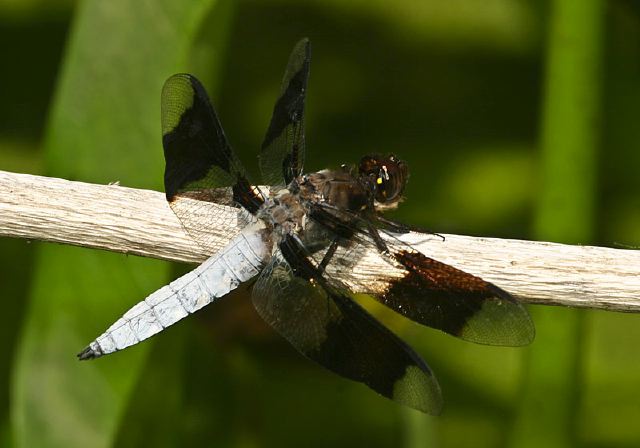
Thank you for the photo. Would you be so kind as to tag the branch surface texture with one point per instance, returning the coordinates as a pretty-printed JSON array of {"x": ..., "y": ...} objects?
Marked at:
[{"x": 140, "y": 222}]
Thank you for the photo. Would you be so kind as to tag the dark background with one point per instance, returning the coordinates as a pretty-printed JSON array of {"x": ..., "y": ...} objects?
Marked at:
[{"x": 518, "y": 119}]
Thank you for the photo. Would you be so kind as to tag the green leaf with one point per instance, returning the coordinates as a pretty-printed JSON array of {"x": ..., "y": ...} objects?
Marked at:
[
  {"x": 569, "y": 142},
  {"x": 104, "y": 126}
]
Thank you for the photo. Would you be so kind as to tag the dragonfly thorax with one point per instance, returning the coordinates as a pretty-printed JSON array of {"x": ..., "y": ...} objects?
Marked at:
[{"x": 284, "y": 212}]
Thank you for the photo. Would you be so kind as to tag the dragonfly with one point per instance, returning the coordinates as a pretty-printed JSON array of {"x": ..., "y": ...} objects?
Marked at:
[{"x": 302, "y": 240}]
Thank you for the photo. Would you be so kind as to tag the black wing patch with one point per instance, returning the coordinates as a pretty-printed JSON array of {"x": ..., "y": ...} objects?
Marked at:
[
  {"x": 201, "y": 167},
  {"x": 282, "y": 152},
  {"x": 423, "y": 289},
  {"x": 197, "y": 153},
  {"x": 328, "y": 327}
]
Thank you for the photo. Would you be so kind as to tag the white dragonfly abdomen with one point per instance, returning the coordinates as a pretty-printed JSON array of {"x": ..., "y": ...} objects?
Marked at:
[{"x": 241, "y": 260}]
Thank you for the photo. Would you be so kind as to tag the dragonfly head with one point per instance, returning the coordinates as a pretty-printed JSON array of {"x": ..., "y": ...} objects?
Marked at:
[{"x": 388, "y": 176}]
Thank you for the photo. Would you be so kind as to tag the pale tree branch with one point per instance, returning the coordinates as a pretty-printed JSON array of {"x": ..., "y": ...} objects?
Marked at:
[{"x": 140, "y": 222}]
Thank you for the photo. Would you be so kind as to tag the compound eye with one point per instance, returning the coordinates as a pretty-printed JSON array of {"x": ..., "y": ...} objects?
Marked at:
[
  {"x": 391, "y": 182},
  {"x": 388, "y": 174},
  {"x": 383, "y": 184}
]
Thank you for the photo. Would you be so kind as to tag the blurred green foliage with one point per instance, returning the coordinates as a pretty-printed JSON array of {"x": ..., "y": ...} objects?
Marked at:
[{"x": 508, "y": 129}]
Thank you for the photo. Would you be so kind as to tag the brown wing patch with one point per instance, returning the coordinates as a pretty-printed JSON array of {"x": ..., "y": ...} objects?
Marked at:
[{"x": 440, "y": 296}]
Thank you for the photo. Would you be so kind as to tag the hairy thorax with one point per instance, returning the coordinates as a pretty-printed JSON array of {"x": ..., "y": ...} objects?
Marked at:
[
  {"x": 338, "y": 189},
  {"x": 284, "y": 212},
  {"x": 286, "y": 209}
]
